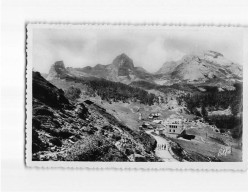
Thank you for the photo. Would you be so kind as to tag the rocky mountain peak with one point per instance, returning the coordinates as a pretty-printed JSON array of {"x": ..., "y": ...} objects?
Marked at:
[
  {"x": 57, "y": 70},
  {"x": 123, "y": 55},
  {"x": 124, "y": 65},
  {"x": 206, "y": 66},
  {"x": 123, "y": 61},
  {"x": 213, "y": 54},
  {"x": 204, "y": 55},
  {"x": 190, "y": 58},
  {"x": 201, "y": 67},
  {"x": 59, "y": 66}
]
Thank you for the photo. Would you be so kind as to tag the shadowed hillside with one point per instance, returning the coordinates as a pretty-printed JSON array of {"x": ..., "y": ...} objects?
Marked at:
[{"x": 81, "y": 131}]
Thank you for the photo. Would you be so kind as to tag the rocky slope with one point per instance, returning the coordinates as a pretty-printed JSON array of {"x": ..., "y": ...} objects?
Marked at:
[
  {"x": 121, "y": 69},
  {"x": 167, "y": 68},
  {"x": 57, "y": 70},
  {"x": 66, "y": 131},
  {"x": 209, "y": 67},
  {"x": 47, "y": 93}
]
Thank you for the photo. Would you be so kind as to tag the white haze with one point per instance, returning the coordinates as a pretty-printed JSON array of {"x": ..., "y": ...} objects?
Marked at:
[{"x": 149, "y": 49}]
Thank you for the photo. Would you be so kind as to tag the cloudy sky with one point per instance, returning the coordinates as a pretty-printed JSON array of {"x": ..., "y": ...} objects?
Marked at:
[{"x": 148, "y": 48}]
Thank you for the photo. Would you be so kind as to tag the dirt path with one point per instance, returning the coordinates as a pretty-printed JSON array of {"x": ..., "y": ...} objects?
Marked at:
[{"x": 163, "y": 154}]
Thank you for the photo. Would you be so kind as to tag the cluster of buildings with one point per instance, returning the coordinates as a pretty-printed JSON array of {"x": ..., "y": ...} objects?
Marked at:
[
  {"x": 175, "y": 124},
  {"x": 171, "y": 125}
]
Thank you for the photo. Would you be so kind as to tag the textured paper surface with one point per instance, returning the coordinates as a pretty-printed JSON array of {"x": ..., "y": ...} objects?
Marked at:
[{"x": 137, "y": 165}]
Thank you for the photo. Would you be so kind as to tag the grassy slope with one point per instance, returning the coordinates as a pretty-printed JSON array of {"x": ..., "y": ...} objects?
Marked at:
[
  {"x": 210, "y": 146},
  {"x": 91, "y": 137},
  {"x": 127, "y": 114}
]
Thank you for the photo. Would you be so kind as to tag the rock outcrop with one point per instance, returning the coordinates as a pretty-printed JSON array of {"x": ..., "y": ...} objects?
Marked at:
[
  {"x": 80, "y": 131},
  {"x": 122, "y": 69},
  {"x": 124, "y": 64},
  {"x": 57, "y": 70},
  {"x": 48, "y": 93},
  {"x": 208, "y": 67}
]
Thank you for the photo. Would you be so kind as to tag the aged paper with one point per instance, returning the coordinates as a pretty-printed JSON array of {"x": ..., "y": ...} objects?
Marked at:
[{"x": 136, "y": 96}]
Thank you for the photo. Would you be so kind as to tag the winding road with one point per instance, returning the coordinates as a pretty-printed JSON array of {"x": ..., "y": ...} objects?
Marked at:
[{"x": 165, "y": 155}]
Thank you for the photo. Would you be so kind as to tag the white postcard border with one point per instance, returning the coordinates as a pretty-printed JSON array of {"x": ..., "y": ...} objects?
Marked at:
[{"x": 131, "y": 165}]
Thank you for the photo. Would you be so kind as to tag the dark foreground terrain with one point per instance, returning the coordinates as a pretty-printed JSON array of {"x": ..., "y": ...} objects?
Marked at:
[{"x": 67, "y": 131}]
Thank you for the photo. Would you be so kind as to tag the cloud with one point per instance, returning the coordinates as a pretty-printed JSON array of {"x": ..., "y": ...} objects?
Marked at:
[
  {"x": 148, "y": 48},
  {"x": 227, "y": 42}
]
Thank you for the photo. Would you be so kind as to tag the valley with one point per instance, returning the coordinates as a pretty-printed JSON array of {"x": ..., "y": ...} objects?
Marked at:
[{"x": 119, "y": 112}]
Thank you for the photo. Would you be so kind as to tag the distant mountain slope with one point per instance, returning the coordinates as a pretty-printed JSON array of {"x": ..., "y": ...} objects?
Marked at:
[
  {"x": 167, "y": 68},
  {"x": 57, "y": 70},
  {"x": 121, "y": 69},
  {"x": 109, "y": 90},
  {"x": 205, "y": 67},
  {"x": 208, "y": 67},
  {"x": 66, "y": 131},
  {"x": 184, "y": 87}
]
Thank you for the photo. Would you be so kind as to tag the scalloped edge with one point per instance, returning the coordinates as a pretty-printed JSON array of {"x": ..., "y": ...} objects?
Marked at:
[{"x": 185, "y": 166}]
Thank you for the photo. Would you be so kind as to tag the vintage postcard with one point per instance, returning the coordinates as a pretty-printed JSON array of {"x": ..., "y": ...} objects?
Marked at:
[{"x": 136, "y": 96}]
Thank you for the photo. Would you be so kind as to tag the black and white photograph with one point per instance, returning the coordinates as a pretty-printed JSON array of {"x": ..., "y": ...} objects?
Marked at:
[
  {"x": 134, "y": 94},
  {"x": 124, "y": 96}
]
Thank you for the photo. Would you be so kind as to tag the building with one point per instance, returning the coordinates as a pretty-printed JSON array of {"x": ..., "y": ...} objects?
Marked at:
[
  {"x": 174, "y": 128},
  {"x": 173, "y": 125}
]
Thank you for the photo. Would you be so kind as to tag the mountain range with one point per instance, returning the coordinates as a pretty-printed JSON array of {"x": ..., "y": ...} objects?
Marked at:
[
  {"x": 210, "y": 68},
  {"x": 206, "y": 67},
  {"x": 102, "y": 113}
]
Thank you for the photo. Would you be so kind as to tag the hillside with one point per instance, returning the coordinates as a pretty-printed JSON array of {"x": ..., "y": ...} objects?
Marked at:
[
  {"x": 204, "y": 90},
  {"x": 106, "y": 89},
  {"x": 208, "y": 67},
  {"x": 165, "y": 88},
  {"x": 167, "y": 68},
  {"x": 84, "y": 131},
  {"x": 121, "y": 69},
  {"x": 205, "y": 68}
]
